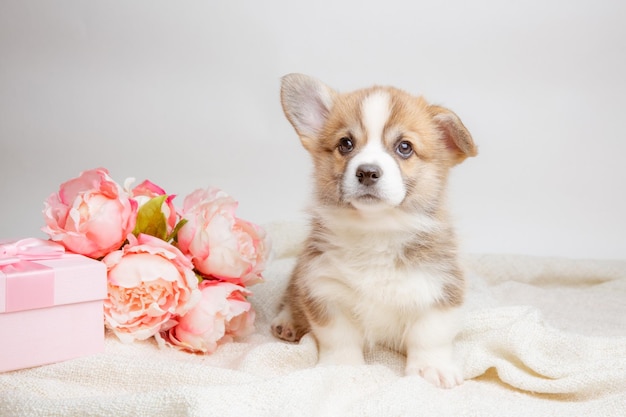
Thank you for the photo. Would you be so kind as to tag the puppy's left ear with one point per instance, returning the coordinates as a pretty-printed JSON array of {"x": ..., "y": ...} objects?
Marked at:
[
  {"x": 306, "y": 102},
  {"x": 454, "y": 133}
]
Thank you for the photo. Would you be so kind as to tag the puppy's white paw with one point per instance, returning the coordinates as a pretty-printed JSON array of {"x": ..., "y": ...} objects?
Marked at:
[
  {"x": 283, "y": 326},
  {"x": 430, "y": 350},
  {"x": 446, "y": 376}
]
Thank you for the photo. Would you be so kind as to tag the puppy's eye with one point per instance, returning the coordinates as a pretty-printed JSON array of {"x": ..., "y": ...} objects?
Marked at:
[
  {"x": 404, "y": 149},
  {"x": 345, "y": 146}
]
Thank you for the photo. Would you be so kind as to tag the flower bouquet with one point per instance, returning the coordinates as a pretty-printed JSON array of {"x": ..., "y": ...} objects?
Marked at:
[{"x": 180, "y": 276}]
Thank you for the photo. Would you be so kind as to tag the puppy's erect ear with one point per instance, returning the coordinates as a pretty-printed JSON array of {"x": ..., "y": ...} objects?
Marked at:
[
  {"x": 456, "y": 136},
  {"x": 306, "y": 103}
]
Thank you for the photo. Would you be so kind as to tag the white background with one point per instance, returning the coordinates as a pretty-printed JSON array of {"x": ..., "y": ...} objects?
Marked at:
[{"x": 186, "y": 94}]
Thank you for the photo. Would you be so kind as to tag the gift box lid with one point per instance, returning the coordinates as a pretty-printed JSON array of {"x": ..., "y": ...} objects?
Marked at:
[{"x": 28, "y": 283}]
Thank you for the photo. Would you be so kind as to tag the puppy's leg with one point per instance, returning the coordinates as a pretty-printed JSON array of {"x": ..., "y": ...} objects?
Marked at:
[
  {"x": 290, "y": 324},
  {"x": 339, "y": 341},
  {"x": 429, "y": 348},
  {"x": 283, "y": 325}
]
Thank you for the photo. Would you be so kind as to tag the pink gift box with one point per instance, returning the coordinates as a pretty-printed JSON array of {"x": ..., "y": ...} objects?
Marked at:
[{"x": 50, "y": 309}]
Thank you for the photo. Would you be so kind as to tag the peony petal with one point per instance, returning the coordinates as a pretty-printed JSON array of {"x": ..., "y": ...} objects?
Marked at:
[{"x": 137, "y": 268}]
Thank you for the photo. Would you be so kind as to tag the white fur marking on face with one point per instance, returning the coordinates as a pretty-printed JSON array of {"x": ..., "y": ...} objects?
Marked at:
[
  {"x": 375, "y": 109},
  {"x": 389, "y": 189}
]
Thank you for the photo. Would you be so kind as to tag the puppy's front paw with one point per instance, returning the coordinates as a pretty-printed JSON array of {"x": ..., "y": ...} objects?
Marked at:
[
  {"x": 283, "y": 327},
  {"x": 440, "y": 376},
  {"x": 436, "y": 366},
  {"x": 430, "y": 350}
]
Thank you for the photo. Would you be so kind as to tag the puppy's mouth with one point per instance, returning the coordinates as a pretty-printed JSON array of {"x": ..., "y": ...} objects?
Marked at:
[{"x": 367, "y": 199}]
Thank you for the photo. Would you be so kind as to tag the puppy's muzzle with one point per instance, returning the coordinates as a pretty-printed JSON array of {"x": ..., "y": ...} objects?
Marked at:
[{"x": 368, "y": 174}]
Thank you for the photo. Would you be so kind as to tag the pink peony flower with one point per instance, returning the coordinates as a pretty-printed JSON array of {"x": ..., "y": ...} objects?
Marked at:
[
  {"x": 90, "y": 215},
  {"x": 218, "y": 243},
  {"x": 146, "y": 191},
  {"x": 149, "y": 282},
  {"x": 222, "y": 314}
]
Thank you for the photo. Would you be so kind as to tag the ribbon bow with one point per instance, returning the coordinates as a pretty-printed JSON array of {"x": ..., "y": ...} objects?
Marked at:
[{"x": 29, "y": 249}]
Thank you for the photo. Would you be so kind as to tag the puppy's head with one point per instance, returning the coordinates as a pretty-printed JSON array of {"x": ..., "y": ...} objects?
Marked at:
[{"x": 376, "y": 148}]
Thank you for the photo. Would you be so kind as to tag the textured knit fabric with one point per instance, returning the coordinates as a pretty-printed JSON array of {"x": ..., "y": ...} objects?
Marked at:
[{"x": 541, "y": 337}]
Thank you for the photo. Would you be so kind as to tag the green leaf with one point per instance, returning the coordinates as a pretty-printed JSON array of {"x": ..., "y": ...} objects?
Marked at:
[
  {"x": 151, "y": 220},
  {"x": 174, "y": 234}
]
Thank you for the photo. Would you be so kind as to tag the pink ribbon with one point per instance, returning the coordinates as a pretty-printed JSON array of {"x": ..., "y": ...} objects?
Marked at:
[{"x": 29, "y": 249}]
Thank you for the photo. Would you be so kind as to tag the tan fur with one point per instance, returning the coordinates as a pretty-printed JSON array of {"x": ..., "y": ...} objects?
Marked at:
[{"x": 414, "y": 235}]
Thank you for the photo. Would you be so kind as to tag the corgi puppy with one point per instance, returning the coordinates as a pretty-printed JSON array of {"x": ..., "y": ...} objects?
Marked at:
[{"x": 380, "y": 263}]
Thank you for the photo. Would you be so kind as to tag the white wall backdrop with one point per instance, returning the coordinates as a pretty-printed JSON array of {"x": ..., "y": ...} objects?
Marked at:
[{"x": 186, "y": 94}]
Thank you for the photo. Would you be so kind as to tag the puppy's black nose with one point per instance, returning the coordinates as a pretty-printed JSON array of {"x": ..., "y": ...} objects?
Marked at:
[{"x": 368, "y": 174}]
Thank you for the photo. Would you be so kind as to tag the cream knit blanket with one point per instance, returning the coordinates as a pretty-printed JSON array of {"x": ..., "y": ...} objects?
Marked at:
[{"x": 541, "y": 337}]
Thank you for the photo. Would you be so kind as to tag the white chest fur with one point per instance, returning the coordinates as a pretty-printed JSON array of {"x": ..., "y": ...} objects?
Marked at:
[{"x": 361, "y": 277}]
